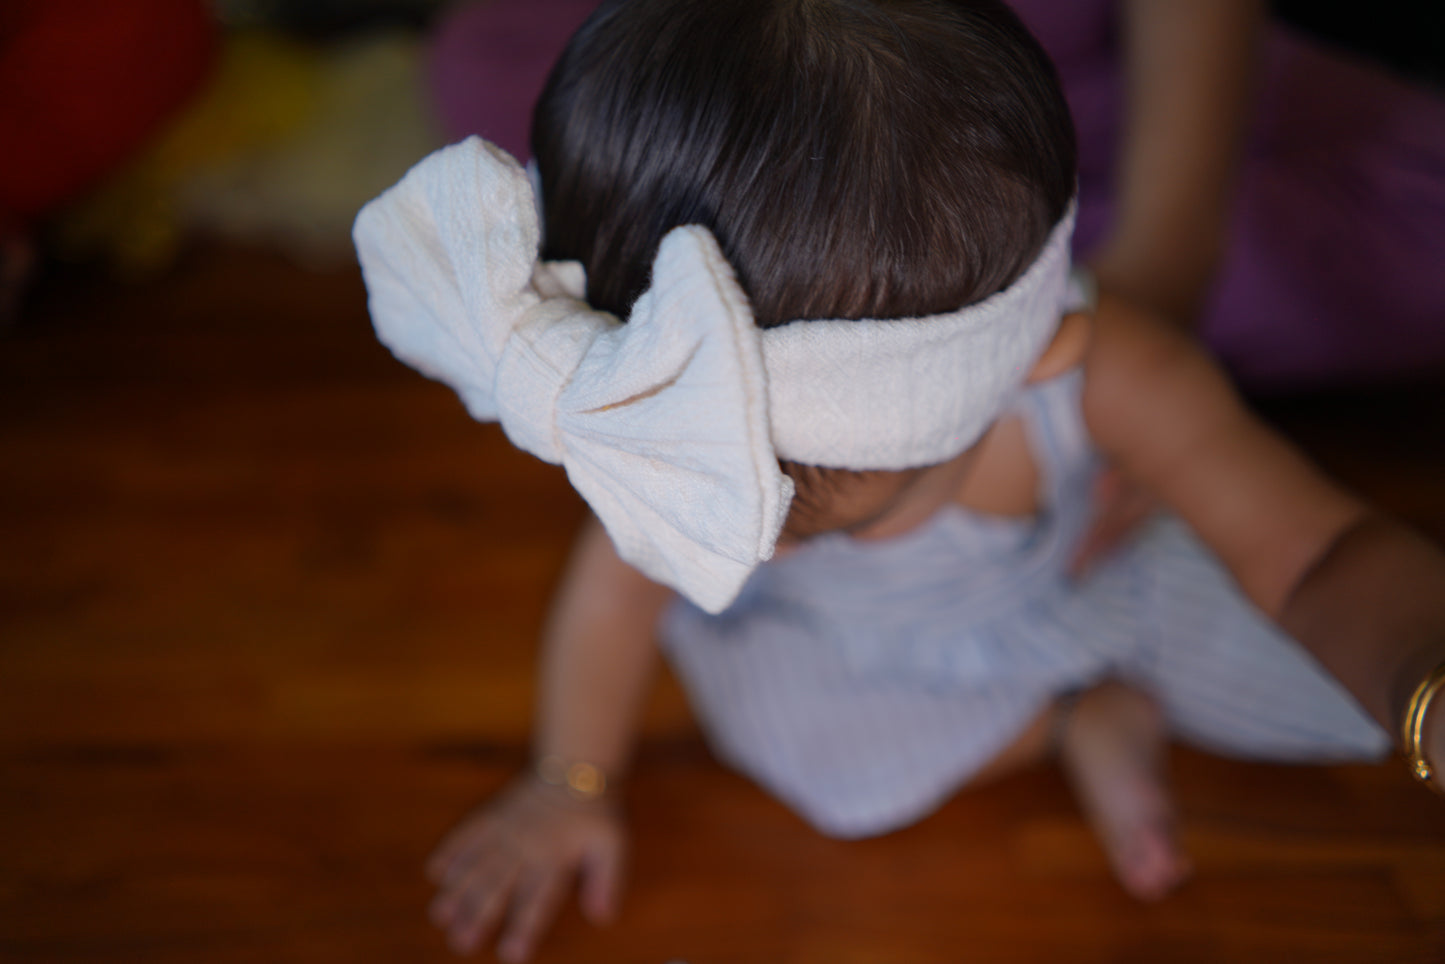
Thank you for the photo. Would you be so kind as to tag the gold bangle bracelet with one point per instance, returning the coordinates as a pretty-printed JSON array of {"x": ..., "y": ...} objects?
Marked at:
[
  {"x": 582, "y": 781},
  {"x": 1412, "y": 727}
]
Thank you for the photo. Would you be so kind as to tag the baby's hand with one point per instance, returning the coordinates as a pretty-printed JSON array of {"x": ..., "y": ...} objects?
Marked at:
[
  {"x": 1120, "y": 507},
  {"x": 518, "y": 855}
]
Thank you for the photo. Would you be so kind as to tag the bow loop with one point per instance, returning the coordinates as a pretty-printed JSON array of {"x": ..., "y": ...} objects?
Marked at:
[
  {"x": 661, "y": 424},
  {"x": 448, "y": 256}
]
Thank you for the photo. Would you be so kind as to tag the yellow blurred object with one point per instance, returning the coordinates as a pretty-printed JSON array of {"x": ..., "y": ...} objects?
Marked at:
[
  {"x": 282, "y": 148},
  {"x": 264, "y": 90},
  {"x": 373, "y": 121}
]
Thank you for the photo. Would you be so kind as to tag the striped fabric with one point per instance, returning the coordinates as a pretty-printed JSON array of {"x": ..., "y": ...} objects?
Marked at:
[{"x": 864, "y": 682}]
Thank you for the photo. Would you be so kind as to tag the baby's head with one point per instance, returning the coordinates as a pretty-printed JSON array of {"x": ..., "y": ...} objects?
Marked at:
[{"x": 854, "y": 158}]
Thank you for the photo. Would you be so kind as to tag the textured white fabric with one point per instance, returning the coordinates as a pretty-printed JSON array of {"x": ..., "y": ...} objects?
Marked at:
[
  {"x": 671, "y": 426},
  {"x": 900, "y": 393},
  {"x": 661, "y": 424}
]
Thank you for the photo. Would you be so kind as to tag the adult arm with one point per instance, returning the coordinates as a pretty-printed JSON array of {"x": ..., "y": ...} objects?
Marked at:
[
  {"x": 1188, "y": 73},
  {"x": 1362, "y": 593}
]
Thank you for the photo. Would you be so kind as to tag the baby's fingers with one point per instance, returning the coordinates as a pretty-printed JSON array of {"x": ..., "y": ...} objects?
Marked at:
[
  {"x": 458, "y": 848},
  {"x": 470, "y": 909},
  {"x": 602, "y": 874},
  {"x": 538, "y": 897}
]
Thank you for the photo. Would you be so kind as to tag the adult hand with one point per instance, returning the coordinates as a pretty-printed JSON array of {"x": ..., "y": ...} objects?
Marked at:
[{"x": 517, "y": 856}]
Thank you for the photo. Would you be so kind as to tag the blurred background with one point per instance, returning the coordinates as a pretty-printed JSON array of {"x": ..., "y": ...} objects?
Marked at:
[{"x": 268, "y": 600}]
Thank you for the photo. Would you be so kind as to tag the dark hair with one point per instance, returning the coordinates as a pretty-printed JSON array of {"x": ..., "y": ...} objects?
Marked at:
[{"x": 854, "y": 158}]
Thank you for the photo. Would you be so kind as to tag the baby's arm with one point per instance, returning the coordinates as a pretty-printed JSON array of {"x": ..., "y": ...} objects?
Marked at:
[
  {"x": 1362, "y": 593},
  {"x": 518, "y": 854},
  {"x": 598, "y": 656}
]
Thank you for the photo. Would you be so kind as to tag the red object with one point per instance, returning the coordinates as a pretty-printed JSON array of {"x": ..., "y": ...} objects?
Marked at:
[{"x": 84, "y": 84}]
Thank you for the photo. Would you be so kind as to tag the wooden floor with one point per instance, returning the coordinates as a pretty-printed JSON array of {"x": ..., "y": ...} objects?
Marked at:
[{"x": 267, "y": 603}]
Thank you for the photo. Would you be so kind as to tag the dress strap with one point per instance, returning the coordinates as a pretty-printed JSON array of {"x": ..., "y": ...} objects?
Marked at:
[{"x": 1054, "y": 420}]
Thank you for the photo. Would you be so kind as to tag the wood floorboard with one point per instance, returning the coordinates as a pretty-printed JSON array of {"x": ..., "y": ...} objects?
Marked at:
[
  {"x": 291, "y": 853},
  {"x": 267, "y": 611}
]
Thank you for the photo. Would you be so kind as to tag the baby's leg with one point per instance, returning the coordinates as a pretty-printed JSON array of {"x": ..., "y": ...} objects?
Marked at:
[{"x": 1112, "y": 744}]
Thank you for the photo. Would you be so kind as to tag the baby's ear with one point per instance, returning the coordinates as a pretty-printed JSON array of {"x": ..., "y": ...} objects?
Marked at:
[{"x": 1067, "y": 349}]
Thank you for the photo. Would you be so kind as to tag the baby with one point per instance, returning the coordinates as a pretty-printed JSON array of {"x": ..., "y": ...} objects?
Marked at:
[{"x": 838, "y": 233}]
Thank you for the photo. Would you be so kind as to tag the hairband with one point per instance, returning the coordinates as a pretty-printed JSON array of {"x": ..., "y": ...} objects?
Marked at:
[{"x": 671, "y": 425}]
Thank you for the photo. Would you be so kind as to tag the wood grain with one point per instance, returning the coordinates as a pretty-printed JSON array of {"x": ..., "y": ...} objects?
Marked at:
[{"x": 267, "y": 611}]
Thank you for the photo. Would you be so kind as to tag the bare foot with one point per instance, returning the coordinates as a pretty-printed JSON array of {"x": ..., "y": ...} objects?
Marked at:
[{"x": 1113, "y": 748}]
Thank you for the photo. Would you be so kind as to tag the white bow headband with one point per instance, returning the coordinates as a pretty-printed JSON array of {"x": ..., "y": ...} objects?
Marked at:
[{"x": 671, "y": 425}]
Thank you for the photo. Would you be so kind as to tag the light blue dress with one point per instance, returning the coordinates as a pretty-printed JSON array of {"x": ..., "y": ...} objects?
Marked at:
[{"x": 864, "y": 682}]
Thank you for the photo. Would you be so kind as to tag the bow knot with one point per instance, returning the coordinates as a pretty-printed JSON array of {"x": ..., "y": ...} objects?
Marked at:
[{"x": 537, "y": 362}]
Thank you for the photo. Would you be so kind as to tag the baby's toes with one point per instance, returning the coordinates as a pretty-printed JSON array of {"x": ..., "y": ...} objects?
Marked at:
[{"x": 1149, "y": 861}]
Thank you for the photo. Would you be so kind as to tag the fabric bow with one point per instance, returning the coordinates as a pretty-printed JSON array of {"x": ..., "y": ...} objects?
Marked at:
[{"x": 661, "y": 423}]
